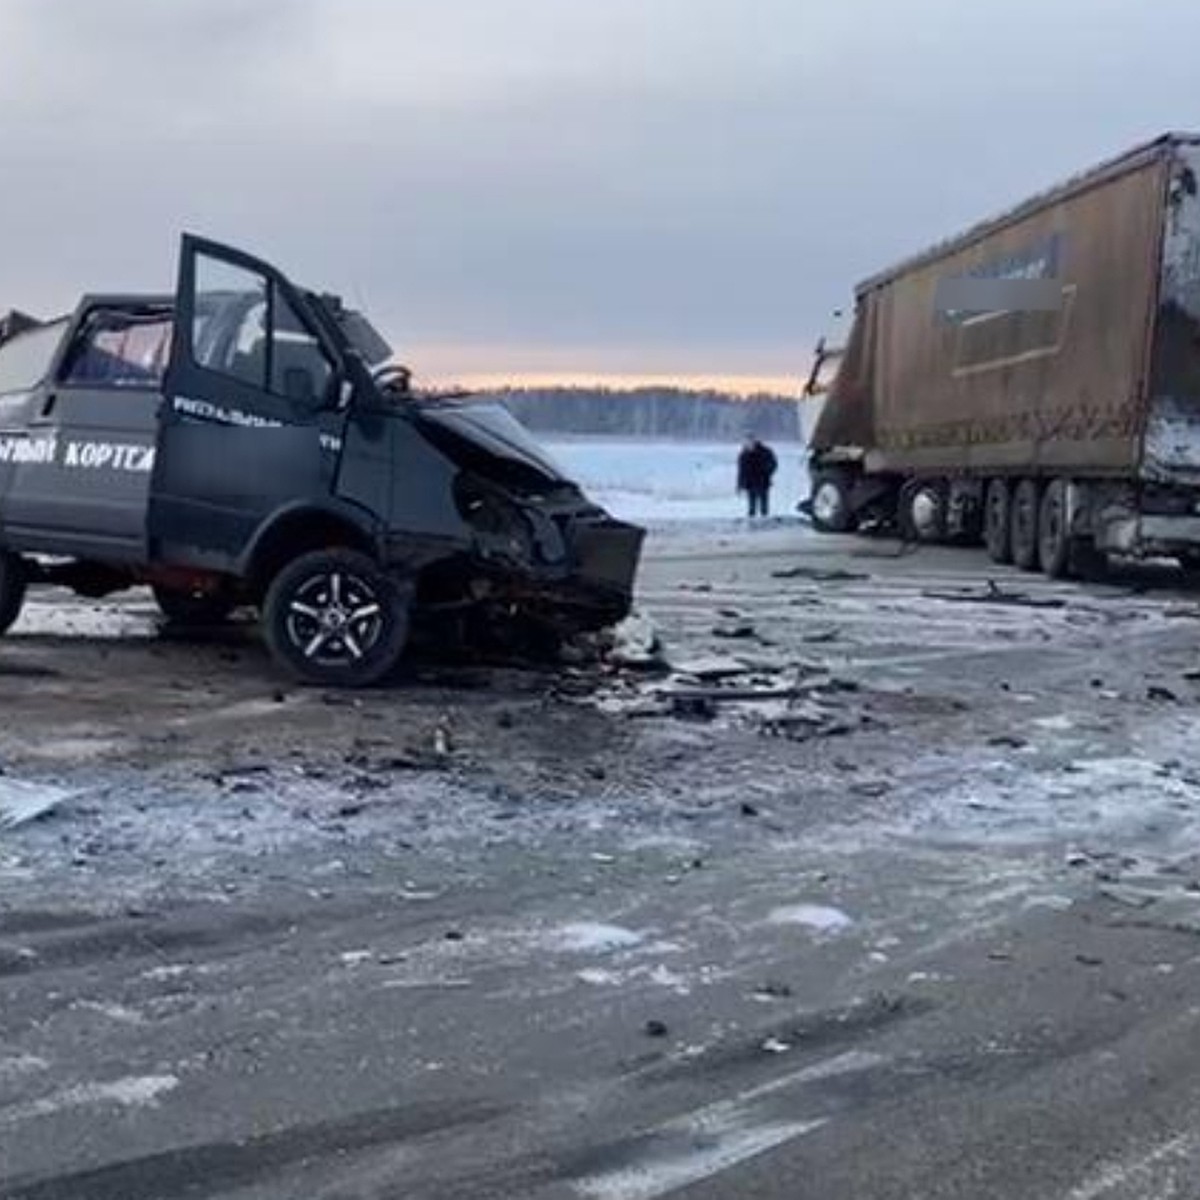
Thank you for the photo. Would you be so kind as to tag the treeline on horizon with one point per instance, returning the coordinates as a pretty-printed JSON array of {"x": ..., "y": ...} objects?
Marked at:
[{"x": 653, "y": 412}]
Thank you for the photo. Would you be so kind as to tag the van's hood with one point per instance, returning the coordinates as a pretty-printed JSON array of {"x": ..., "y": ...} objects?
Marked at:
[{"x": 490, "y": 427}]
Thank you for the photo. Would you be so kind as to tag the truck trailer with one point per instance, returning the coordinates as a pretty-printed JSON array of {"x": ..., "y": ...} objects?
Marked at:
[{"x": 1033, "y": 383}]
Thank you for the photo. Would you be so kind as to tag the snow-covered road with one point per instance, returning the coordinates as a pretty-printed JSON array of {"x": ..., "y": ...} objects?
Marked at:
[{"x": 928, "y": 869}]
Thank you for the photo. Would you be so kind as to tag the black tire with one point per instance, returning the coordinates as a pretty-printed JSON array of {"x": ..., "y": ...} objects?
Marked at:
[
  {"x": 997, "y": 521},
  {"x": 1026, "y": 502},
  {"x": 194, "y": 608},
  {"x": 830, "y": 503},
  {"x": 1054, "y": 531},
  {"x": 922, "y": 510},
  {"x": 14, "y": 579},
  {"x": 311, "y": 627}
]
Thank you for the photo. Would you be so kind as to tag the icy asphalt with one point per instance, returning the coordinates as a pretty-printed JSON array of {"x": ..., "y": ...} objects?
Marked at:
[{"x": 923, "y": 921}]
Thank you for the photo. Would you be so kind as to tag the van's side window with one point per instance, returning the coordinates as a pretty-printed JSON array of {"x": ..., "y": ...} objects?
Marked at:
[
  {"x": 25, "y": 360},
  {"x": 119, "y": 348},
  {"x": 299, "y": 369},
  {"x": 229, "y": 323}
]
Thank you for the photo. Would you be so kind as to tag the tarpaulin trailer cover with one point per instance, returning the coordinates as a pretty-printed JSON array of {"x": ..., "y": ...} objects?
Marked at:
[{"x": 1050, "y": 389}]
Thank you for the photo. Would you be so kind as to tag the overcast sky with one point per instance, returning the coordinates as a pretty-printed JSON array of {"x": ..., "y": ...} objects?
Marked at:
[{"x": 622, "y": 187}]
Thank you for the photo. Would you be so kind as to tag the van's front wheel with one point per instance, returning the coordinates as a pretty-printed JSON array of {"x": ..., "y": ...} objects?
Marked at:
[
  {"x": 14, "y": 579},
  {"x": 332, "y": 617}
]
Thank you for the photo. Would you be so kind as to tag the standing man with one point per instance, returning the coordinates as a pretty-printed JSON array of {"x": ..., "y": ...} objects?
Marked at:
[{"x": 756, "y": 469}]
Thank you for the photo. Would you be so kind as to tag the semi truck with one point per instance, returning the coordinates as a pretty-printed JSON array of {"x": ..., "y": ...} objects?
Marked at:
[{"x": 1033, "y": 383}]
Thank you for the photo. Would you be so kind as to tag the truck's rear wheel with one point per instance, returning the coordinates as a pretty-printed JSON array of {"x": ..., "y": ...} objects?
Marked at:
[
  {"x": 997, "y": 521},
  {"x": 13, "y": 581},
  {"x": 332, "y": 617},
  {"x": 1024, "y": 523},
  {"x": 182, "y": 607},
  {"x": 831, "y": 512},
  {"x": 1054, "y": 530}
]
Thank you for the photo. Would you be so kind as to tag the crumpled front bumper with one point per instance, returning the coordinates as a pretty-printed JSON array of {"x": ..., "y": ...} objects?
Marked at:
[{"x": 606, "y": 555}]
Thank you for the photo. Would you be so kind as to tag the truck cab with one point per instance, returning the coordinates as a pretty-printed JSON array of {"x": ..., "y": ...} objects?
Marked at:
[{"x": 247, "y": 441}]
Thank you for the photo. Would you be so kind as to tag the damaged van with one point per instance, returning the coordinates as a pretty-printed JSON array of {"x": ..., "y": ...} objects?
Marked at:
[{"x": 249, "y": 442}]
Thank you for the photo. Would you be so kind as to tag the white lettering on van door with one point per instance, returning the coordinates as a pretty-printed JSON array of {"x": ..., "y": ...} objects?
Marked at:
[
  {"x": 34, "y": 451},
  {"x": 206, "y": 411},
  {"x": 76, "y": 455},
  {"x": 108, "y": 456}
]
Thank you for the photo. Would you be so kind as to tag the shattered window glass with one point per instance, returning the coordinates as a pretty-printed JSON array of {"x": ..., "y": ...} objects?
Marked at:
[{"x": 120, "y": 350}]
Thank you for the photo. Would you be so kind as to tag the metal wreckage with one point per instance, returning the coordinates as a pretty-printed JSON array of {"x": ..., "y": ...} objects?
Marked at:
[{"x": 248, "y": 442}]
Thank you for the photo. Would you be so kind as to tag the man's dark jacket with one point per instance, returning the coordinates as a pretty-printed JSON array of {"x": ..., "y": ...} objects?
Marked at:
[{"x": 756, "y": 466}]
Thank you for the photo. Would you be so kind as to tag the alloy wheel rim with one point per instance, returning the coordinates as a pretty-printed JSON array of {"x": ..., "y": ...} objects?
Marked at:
[{"x": 334, "y": 618}]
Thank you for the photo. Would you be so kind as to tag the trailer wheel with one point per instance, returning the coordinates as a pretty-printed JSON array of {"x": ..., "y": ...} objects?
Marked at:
[
  {"x": 997, "y": 521},
  {"x": 1025, "y": 505},
  {"x": 922, "y": 510},
  {"x": 1054, "y": 533},
  {"x": 333, "y": 618},
  {"x": 194, "y": 608},
  {"x": 14, "y": 579},
  {"x": 830, "y": 505}
]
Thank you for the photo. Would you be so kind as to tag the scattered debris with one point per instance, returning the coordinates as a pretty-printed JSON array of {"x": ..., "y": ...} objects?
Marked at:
[
  {"x": 713, "y": 666},
  {"x": 734, "y": 629},
  {"x": 820, "y": 575},
  {"x": 821, "y": 637},
  {"x": 819, "y": 917},
  {"x": 994, "y": 594},
  {"x": 720, "y": 695},
  {"x": 594, "y": 937},
  {"x": 871, "y": 788},
  {"x": 810, "y": 720},
  {"x": 773, "y": 990},
  {"x": 441, "y": 738},
  {"x": 21, "y": 803},
  {"x": 693, "y": 708},
  {"x": 637, "y": 645},
  {"x": 1010, "y": 740}
]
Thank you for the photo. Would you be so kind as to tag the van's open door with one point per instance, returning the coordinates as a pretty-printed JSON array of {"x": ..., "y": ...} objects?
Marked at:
[{"x": 250, "y": 388}]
